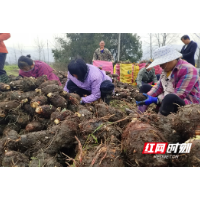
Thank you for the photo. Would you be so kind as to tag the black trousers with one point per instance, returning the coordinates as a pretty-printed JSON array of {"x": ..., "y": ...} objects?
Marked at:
[
  {"x": 2, "y": 63},
  {"x": 158, "y": 76},
  {"x": 106, "y": 88},
  {"x": 169, "y": 104}
]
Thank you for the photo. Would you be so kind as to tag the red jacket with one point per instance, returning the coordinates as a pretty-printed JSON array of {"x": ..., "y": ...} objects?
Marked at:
[{"x": 3, "y": 36}]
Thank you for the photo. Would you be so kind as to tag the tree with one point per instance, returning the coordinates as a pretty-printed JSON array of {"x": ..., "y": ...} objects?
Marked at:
[
  {"x": 84, "y": 44},
  {"x": 40, "y": 48},
  {"x": 157, "y": 40},
  {"x": 20, "y": 48}
]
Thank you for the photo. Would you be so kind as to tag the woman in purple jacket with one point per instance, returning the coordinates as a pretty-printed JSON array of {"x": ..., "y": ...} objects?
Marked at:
[{"x": 85, "y": 79}]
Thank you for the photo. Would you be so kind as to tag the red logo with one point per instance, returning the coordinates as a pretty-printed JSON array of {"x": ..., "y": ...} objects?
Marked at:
[{"x": 154, "y": 148}]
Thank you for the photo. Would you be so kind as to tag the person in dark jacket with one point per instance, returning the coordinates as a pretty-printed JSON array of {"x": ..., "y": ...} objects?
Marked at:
[{"x": 188, "y": 49}]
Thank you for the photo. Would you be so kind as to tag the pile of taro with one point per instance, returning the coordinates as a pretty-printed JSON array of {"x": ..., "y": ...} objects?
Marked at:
[{"x": 43, "y": 126}]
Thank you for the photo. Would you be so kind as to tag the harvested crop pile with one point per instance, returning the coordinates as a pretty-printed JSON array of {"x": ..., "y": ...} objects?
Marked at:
[{"x": 43, "y": 126}]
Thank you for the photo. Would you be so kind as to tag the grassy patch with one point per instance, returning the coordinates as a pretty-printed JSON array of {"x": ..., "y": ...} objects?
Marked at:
[{"x": 12, "y": 70}]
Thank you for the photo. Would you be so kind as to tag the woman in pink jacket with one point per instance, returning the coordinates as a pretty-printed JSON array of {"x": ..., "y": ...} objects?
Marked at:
[{"x": 36, "y": 68}]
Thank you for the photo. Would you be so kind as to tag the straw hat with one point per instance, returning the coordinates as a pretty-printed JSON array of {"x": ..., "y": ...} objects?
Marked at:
[{"x": 163, "y": 55}]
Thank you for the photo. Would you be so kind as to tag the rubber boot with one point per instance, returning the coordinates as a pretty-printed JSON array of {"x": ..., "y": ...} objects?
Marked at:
[{"x": 142, "y": 109}]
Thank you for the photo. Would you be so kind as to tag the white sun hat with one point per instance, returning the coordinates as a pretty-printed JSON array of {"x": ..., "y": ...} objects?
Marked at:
[{"x": 163, "y": 55}]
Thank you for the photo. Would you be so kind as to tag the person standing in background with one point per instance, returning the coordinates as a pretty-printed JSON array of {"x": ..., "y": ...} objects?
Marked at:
[
  {"x": 3, "y": 52},
  {"x": 103, "y": 53},
  {"x": 188, "y": 49}
]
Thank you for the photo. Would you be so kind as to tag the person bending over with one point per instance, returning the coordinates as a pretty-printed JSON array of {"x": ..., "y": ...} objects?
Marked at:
[
  {"x": 30, "y": 68},
  {"x": 89, "y": 82},
  {"x": 178, "y": 84}
]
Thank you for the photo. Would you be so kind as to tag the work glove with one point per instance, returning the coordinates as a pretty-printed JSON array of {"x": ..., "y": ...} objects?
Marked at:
[{"x": 148, "y": 101}]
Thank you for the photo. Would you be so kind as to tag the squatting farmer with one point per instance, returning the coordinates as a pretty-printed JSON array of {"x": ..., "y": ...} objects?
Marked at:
[
  {"x": 189, "y": 49},
  {"x": 103, "y": 53},
  {"x": 178, "y": 84},
  {"x": 3, "y": 52},
  {"x": 146, "y": 76},
  {"x": 89, "y": 82},
  {"x": 36, "y": 68}
]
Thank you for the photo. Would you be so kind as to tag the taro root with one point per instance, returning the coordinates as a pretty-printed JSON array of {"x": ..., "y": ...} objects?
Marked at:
[
  {"x": 17, "y": 95},
  {"x": 186, "y": 120},
  {"x": 71, "y": 97},
  {"x": 90, "y": 108},
  {"x": 90, "y": 126},
  {"x": 38, "y": 101},
  {"x": 4, "y": 87},
  {"x": 103, "y": 110},
  {"x": 14, "y": 159},
  {"x": 2, "y": 114},
  {"x": 50, "y": 89},
  {"x": 13, "y": 78},
  {"x": 62, "y": 116},
  {"x": 34, "y": 126},
  {"x": 9, "y": 105},
  {"x": 101, "y": 130},
  {"x": 49, "y": 82},
  {"x": 42, "y": 159},
  {"x": 45, "y": 110},
  {"x": 83, "y": 113},
  {"x": 41, "y": 80},
  {"x": 26, "y": 84},
  {"x": 64, "y": 135},
  {"x": 11, "y": 140},
  {"x": 133, "y": 139},
  {"x": 52, "y": 140},
  {"x": 191, "y": 159},
  {"x": 19, "y": 117},
  {"x": 35, "y": 140},
  {"x": 165, "y": 125},
  {"x": 55, "y": 114},
  {"x": 57, "y": 100},
  {"x": 28, "y": 109},
  {"x": 103, "y": 155},
  {"x": 72, "y": 108},
  {"x": 14, "y": 126},
  {"x": 139, "y": 97},
  {"x": 60, "y": 74},
  {"x": 45, "y": 122},
  {"x": 124, "y": 94}
]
